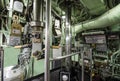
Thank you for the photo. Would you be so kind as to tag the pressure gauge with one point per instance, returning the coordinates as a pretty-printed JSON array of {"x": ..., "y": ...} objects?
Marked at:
[
  {"x": 18, "y": 6},
  {"x": 65, "y": 77}
]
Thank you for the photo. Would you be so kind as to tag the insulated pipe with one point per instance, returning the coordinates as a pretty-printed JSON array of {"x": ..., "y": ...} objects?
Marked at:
[{"x": 111, "y": 17}]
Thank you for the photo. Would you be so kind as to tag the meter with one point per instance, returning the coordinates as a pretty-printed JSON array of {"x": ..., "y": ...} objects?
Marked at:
[{"x": 18, "y": 6}]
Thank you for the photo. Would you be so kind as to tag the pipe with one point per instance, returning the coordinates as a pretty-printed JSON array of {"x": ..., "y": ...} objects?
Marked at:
[
  {"x": 2, "y": 3},
  {"x": 41, "y": 10},
  {"x": 56, "y": 7},
  {"x": 68, "y": 34},
  {"x": 56, "y": 14},
  {"x": 10, "y": 14},
  {"x": 66, "y": 56},
  {"x": 111, "y": 17},
  {"x": 47, "y": 41},
  {"x": 37, "y": 10},
  {"x": 83, "y": 68}
]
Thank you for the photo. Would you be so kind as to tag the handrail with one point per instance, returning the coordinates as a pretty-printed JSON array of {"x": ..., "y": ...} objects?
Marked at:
[{"x": 65, "y": 56}]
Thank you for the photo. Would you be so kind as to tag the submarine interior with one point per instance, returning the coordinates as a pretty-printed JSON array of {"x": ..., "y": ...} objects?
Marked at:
[{"x": 59, "y": 40}]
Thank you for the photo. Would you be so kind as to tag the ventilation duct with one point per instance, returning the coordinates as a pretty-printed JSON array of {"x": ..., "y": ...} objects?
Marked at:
[
  {"x": 95, "y": 7},
  {"x": 111, "y": 17}
]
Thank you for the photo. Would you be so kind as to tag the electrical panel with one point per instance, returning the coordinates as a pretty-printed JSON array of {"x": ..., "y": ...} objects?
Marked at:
[
  {"x": 95, "y": 39},
  {"x": 98, "y": 42}
]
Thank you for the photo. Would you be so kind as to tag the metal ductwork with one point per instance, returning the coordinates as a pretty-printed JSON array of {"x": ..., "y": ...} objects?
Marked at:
[
  {"x": 95, "y": 7},
  {"x": 111, "y": 17}
]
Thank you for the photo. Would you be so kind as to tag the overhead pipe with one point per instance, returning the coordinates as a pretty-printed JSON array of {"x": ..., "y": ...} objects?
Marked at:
[
  {"x": 109, "y": 18},
  {"x": 56, "y": 9}
]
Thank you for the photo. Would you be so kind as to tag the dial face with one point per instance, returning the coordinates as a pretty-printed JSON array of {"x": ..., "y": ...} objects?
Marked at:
[{"x": 18, "y": 6}]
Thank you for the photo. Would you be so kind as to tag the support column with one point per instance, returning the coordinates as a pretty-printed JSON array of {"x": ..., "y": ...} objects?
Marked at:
[
  {"x": 68, "y": 33},
  {"x": 47, "y": 41}
]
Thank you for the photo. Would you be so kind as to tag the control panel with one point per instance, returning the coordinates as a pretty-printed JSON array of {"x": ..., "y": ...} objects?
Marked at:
[
  {"x": 98, "y": 43},
  {"x": 98, "y": 39}
]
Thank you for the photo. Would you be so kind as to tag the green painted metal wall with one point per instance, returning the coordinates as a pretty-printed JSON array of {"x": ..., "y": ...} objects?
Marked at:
[
  {"x": 10, "y": 56},
  {"x": 10, "y": 59}
]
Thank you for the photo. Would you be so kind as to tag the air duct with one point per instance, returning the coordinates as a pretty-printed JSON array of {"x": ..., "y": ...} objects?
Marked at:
[
  {"x": 95, "y": 7},
  {"x": 111, "y": 17}
]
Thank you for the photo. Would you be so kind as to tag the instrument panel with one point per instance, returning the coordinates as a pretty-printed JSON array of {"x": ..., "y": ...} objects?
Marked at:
[{"x": 95, "y": 39}]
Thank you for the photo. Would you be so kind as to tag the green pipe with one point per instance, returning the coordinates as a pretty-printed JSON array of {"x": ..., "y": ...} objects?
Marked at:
[
  {"x": 109, "y": 18},
  {"x": 2, "y": 3},
  {"x": 56, "y": 7}
]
